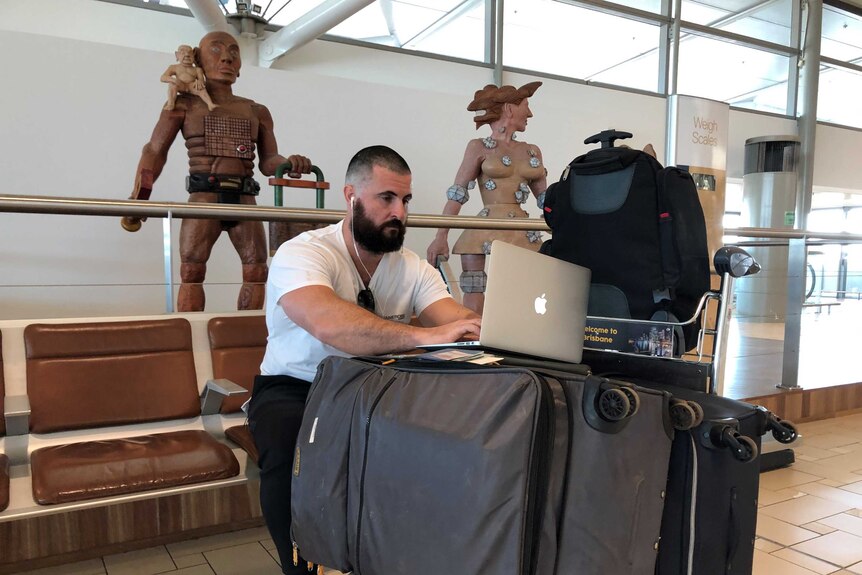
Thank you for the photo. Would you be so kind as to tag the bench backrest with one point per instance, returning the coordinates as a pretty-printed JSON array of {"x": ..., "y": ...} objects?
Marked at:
[
  {"x": 2, "y": 390},
  {"x": 237, "y": 344},
  {"x": 82, "y": 375}
]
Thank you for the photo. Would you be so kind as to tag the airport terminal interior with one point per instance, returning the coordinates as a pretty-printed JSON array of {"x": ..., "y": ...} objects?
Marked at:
[{"x": 756, "y": 99}]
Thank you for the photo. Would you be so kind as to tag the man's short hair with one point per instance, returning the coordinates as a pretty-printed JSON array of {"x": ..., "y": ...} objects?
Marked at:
[{"x": 363, "y": 162}]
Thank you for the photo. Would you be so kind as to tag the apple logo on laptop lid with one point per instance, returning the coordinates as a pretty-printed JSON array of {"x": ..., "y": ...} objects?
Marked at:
[{"x": 541, "y": 304}]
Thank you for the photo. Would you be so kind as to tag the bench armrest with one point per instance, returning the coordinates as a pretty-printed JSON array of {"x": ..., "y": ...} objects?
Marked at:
[
  {"x": 214, "y": 393},
  {"x": 17, "y": 413}
]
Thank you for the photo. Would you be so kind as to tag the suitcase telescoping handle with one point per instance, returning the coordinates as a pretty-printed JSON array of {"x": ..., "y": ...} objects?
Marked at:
[
  {"x": 608, "y": 137},
  {"x": 605, "y": 163}
]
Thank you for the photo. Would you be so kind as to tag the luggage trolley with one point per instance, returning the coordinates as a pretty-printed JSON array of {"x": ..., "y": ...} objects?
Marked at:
[{"x": 710, "y": 513}]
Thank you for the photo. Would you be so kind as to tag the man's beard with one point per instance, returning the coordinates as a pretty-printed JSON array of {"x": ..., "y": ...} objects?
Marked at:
[{"x": 377, "y": 240}]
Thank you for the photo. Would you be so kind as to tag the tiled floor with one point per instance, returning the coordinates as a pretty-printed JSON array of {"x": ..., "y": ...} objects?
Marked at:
[
  {"x": 249, "y": 552},
  {"x": 809, "y": 523},
  {"x": 810, "y": 516}
]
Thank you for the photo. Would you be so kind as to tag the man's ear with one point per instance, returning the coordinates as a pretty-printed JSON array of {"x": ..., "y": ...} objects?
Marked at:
[{"x": 349, "y": 192}]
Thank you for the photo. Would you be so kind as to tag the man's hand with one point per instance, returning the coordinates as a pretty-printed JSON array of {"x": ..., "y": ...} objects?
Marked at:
[
  {"x": 460, "y": 330},
  {"x": 299, "y": 165}
]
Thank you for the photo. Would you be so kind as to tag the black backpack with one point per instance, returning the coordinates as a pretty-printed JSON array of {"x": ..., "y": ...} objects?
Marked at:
[{"x": 639, "y": 227}]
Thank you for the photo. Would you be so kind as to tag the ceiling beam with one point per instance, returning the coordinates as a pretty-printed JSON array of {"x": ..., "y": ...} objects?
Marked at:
[
  {"x": 209, "y": 14},
  {"x": 447, "y": 17},
  {"x": 308, "y": 27}
]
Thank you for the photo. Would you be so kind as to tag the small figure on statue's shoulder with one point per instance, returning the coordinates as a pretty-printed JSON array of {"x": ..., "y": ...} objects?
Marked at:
[{"x": 184, "y": 77}]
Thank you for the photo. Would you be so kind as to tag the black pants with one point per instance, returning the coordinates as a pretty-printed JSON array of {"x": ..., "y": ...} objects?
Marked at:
[{"x": 274, "y": 418}]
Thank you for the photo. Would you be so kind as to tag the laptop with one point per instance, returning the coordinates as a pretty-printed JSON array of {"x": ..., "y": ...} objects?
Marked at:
[{"x": 534, "y": 305}]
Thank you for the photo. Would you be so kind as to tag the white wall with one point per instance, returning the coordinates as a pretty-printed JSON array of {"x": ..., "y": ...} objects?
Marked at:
[{"x": 78, "y": 112}]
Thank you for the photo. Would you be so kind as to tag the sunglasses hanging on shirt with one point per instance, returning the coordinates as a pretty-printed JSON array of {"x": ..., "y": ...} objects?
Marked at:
[{"x": 365, "y": 299}]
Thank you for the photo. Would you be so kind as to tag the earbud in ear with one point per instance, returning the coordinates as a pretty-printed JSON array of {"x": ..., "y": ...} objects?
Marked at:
[{"x": 352, "y": 201}]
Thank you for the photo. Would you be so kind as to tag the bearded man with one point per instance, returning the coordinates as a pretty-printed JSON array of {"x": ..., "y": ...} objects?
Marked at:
[{"x": 348, "y": 289}]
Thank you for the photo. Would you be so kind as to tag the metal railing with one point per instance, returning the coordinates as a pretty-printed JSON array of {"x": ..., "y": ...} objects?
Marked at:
[
  {"x": 797, "y": 240},
  {"x": 139, "y": 208}
]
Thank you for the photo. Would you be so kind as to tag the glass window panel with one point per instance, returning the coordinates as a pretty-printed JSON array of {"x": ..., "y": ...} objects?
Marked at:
[
  {"x": 854, "y": 271},
  {"x": 451, "y": 28},
  {"x": 732, "y": 221},
  {"x": 842, "y": 35},
  {"x": 739, "y": 75},
  {"x": 838, "y": 97},
  {"x": 368, "y": 24},
  {"x": 703, "y": 13},
  {"x": 733, "y": 195},
  {"x": 768, "y": 21},
  {"x": 554, "y": 37},
  {"x": 854, "y": 221},
  {"x": 462, "y": 37},
  {"x": 645, "y": 5},
  {"x": 826, "y": 200},
  {"x": 827, "y": 220}
]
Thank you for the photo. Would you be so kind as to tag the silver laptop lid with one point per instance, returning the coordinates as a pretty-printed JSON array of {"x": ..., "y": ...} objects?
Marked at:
[{"x": 535, "y": 304}]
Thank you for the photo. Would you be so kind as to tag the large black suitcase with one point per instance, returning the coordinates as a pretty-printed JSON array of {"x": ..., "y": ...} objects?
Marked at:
[
  {"x": 710, "y": 514},
  {"x": 422, "y": 468}
]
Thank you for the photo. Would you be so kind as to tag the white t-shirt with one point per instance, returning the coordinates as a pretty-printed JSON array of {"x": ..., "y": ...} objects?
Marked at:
[{"x": 403, "y": 284}]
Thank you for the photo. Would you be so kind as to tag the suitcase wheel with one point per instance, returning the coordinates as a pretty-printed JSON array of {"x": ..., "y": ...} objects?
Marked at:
[
  {"x": 784, "y": 431},
  {"x": 634, "y": 400},
  {"x": 698, "y": 412},
  {"x": 614, "y": 404},
  {"x": 742, "y": 447},
  {"x": 683, "y": 415}
]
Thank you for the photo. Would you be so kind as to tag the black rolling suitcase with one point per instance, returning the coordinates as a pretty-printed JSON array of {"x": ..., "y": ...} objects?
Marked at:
[
  {"x": 428, "y": 468},
  {"x": 710, "y": 514}
]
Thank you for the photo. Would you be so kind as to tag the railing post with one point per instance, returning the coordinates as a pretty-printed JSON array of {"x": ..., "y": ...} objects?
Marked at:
[
  {"x": 169, "y": 269},
  {"x": 793, "y": 318}
]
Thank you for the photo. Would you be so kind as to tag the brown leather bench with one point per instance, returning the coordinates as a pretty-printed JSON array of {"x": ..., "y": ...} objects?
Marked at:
[
  {"x": 237, "y": 344},
  {"x": 4, "y": 461},
  {"x": 88, "y": 375}
]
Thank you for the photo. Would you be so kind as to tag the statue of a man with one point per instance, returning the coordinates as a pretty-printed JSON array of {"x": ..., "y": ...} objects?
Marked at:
[{"x": 221, "y": 146}]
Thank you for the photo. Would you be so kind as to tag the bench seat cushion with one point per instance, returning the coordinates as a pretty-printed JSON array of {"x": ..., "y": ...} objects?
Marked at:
[
  {"x": 92, "y": 469},
  {"x": 4, "y": 482},
  {"x": 241, "y": 435}
]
